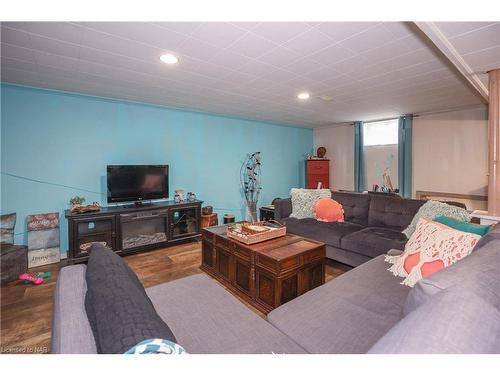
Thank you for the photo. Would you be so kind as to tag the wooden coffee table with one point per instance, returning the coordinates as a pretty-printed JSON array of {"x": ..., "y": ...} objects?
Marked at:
[{"x": 267, "y": 274}]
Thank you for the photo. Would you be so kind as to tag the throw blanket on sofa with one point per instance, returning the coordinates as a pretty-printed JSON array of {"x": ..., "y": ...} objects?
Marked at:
[{"x": 119, "y": 311}]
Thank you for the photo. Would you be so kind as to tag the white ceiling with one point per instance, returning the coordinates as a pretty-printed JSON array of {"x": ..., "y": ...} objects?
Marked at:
[
  {"x": 364, "y": 70},
  {"x": 478, "y": 43}
]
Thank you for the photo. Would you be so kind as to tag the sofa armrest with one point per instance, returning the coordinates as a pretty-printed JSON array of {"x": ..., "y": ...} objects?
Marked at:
[
  {"x": 282, "y": 208},
  {"x": 71, "y": 331}
]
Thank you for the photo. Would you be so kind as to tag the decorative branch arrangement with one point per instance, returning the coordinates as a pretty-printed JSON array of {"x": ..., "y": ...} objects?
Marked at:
[{"x": 250, "y": 179}]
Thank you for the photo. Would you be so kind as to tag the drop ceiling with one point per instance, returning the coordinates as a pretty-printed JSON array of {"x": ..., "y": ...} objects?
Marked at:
[{"x": 353, "y": 70}]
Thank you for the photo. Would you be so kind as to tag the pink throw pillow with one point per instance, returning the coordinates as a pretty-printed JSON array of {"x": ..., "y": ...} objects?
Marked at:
[{"x": 328, "y": 210}]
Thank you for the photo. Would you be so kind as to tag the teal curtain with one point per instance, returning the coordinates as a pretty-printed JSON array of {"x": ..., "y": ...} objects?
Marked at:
[
  {"x": 404, "y": 154},
  {"x": 359, "y": 169}
]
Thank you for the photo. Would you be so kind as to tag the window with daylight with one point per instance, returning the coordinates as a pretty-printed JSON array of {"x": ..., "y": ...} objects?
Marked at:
[
  {"x": 379, "y": 133},
  {"x": 380, "y": 150}
]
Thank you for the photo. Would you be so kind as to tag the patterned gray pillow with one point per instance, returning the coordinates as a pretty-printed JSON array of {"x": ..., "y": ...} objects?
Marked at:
[
  {"x": 303, "y": 201},
  {"x": 433, "y": 209}
]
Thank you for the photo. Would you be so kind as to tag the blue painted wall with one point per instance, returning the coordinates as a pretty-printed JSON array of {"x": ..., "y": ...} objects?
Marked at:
[{"x": 66, "y": 139}]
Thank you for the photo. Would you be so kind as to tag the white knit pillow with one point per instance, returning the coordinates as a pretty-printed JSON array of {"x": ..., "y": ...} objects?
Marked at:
[
  {"x": 432, "y": 209},
  {"x": 435, "y": 246},
  {"x": 303, "y": 201}
]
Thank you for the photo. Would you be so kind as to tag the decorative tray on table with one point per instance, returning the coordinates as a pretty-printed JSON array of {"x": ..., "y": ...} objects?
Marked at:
[{"x": 251, "y": 233}]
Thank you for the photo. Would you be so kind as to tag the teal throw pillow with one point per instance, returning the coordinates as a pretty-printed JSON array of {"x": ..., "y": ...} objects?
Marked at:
[{"x": 464, "y": 227}]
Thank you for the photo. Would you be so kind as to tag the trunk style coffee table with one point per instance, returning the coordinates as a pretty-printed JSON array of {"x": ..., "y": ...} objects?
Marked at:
[{"x": 267, "y": 274}]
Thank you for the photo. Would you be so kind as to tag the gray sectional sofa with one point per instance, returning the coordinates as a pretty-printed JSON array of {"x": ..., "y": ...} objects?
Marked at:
[
  {"x": 366, "y": 310},
  {"x": 372, "y": 225}
]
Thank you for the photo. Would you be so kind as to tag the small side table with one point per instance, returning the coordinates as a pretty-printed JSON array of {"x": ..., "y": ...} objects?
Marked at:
[
  {"x": 209, "y": 220},
  {"x": 484, "y": 218},
  {"x": 267, "y": 213},
  {"x": 14, "y": 261}
]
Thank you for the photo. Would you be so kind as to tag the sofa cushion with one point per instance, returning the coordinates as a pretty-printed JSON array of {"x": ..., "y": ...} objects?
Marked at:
[
  {"x": 355, "y": 206},
  {"x": 119, "y": 311},
  {"x": 454, "y": 321},
  {"x": 282, "y": 208},
  {"x": 329, "y": 233},
  {"x": 346, "y": 315},
  {"x": 391, "y": 212},
  {"x": 373, "y": 241},
  {"x": 478, "y": 272},
  {"x": 492, "y": 235},
  {"x": 205, "y": 318},
  {"x": 71, "y": 332}
]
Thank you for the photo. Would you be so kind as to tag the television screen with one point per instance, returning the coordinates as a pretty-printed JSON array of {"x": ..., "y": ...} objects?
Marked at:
[{"x": 137, "y": 182}]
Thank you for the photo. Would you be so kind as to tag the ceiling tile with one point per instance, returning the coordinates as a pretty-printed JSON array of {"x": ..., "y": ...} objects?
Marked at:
[
  {"x": 143, "y": 32},
  {"x": 235, "y": 79},
  {"x": 399, "y": 29},
  {"x": 306, "y": 84},
  {"x": 19, "y": 64},
  {"x": 477, "y": 40},
  {"x": 309, "y": 42},
  {"x": 452, "y": 29},
  {"x": 246, "y": 25},
  {"x": 304, "y": 66},
  {"x": 179, "y": 27},
  {"x": 351, "y": 66},
  {"x": 114, "y": 73},
  {"x": 14, "y": 52},
  {"x": 279, "y": 57},
  {"x": 15, "y": 37},
  {"x": 230, "y": 60},
  {"x": 20, "y": 77},
  {"x": 280, "y": 32},
  {"x": 204, "y": 68},
  {"x": 197, "y": 49},
  {"x": 102, "y": 57},
  {"x": 218, "y": 34},
  {"x": 56, "y": 61},
  {"x": 322, "y": 74},
  {"x": 365, "y": 40},
  {"x": 54, "y": 46},
  {"x": 339, "y": 31},
  {"x": 386, "y": 52},
  {"x": 106, "y": 42},
  {"x": 66, "y": 32},
  {"x": 252, "y": 46},
  {"x": 484, "y": 60},
  {"x": 332, "y": 54},
  {"x": 280, "y": 75},
  {"x": 256, "y": 68}
]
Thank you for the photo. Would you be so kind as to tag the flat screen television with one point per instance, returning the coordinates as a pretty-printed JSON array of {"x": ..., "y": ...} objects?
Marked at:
[{"x": 133, "y": 183}]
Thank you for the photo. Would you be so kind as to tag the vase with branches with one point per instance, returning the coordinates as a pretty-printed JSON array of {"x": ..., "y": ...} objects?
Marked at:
[{"x": 250, "y": 179}]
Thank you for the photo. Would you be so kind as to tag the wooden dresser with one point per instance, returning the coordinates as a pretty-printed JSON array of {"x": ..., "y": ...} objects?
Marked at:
[{"x": 318, "y": 171}]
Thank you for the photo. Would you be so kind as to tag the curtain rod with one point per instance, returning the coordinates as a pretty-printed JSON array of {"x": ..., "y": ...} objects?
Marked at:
[{"x": 416, "y": 114}]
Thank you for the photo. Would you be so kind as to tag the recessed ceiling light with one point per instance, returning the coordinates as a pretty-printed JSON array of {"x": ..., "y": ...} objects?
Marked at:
[
  {"x": 168, "y": 58},
  {"x": 303, "y": 96},
  {"x": 326, "y": 98}
]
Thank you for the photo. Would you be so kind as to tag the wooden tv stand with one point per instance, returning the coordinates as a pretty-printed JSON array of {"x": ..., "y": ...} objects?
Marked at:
[{"x": 129, "y": 229}]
